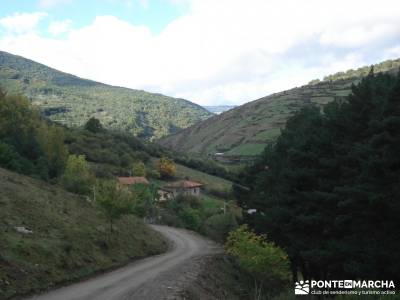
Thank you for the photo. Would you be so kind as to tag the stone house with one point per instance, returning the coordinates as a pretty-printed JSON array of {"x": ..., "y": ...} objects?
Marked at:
[{"x": 185, "y": 187}]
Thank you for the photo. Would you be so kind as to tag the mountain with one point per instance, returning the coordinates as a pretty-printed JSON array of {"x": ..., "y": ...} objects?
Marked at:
[
  {"x": 244, "y": 131},
  {"x": 218, "y": 109},
  {"x": 71, "y": 100}
]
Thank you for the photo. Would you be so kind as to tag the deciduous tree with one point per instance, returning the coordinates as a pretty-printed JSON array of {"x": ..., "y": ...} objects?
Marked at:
[
  {"x": 113, "y": 202},
  {"x": 77, "y": 177},
  {"x": 166, "y": 167}
]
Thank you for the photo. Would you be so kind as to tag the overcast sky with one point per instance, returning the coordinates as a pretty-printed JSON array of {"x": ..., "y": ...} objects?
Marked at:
[{"x": 208, "y": 51}]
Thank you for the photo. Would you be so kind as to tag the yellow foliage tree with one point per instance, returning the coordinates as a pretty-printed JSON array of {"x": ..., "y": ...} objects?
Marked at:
[
  {"x": 166, "y": 167},
  {"x": 263, "y": 260}
]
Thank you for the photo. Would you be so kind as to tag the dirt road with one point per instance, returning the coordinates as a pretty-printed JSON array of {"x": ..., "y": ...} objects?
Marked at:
[{"x": 150, "y": 278}]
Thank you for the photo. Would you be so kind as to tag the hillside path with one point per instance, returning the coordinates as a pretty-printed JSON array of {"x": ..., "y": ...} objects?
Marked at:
[{"x": 155, "y": 277}]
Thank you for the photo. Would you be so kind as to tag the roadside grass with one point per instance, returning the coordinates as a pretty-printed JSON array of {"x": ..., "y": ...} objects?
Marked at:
[{"x": 69, "y": 240}]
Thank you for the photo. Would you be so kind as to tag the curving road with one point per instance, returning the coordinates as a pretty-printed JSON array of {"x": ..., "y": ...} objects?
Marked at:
[{"x": 144, "y": 279}]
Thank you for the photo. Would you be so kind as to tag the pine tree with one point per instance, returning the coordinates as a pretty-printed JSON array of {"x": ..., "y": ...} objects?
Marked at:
[{"x": 328, "y": 190}]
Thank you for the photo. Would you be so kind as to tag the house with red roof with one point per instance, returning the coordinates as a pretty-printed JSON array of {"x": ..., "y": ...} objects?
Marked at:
[{"x": 183, "y": 187}]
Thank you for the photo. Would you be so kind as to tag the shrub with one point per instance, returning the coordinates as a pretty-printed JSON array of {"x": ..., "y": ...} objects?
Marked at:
[
  {"x": 94, "y": 125},
  {"x": 151, "y": 173},
  {"x": 190, "y": 219},
  {"x": 218, "y": 227},
  {"x": 266, "y": 262},
  {"x": 138, "y": 169},
  {"x": 144, "y": 204},
  {"x": 169, "y": 218},
  {"x": 9, "y": 158}
]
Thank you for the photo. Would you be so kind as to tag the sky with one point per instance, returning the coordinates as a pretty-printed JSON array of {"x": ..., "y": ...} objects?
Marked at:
[{"x": 211, "y": 52}]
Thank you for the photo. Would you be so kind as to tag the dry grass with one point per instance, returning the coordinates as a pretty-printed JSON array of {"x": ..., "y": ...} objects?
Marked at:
[{"x": 69, "y": 240}]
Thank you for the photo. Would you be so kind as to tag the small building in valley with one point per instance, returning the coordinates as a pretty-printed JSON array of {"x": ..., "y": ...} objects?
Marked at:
[
  {"x": 164, "y": 195},
  {"x": 184, "y": 187}
]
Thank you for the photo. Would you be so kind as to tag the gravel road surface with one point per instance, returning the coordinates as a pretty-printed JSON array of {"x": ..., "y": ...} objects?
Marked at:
[{"x": 149, "y": 278}]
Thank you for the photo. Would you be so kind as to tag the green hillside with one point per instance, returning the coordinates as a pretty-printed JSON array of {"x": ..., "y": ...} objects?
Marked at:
[
  {"x": 71, "y": 100},
  {"x": 69, "y": 238},
  {"x": 244, "y": 131}
]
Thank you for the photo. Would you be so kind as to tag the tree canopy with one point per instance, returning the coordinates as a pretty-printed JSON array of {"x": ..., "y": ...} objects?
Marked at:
[
  {"x": 94, "y": 125},
  {"x": 328, "y": 191},
  {"x": 29, "y": 144},
  {"x": 166, "y": 167},
  {"x": 77, "y": 177}
]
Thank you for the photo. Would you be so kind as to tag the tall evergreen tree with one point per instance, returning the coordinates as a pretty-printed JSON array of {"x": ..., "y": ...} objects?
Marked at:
[{"x": 328, "y": 190}]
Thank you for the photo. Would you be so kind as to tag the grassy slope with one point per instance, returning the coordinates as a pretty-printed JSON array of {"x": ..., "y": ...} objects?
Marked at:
[
  {"x": 72, "y": 100},
  {"x": 69, "y": 240},
  {"x": 210, "y": 182},
  {"x": 245, "y": 130}
]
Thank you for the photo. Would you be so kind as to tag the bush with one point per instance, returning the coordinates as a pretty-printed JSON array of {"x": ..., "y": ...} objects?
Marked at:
[
  {"x": 9, "y": 158},
  {"x": 144, "y": 204},
  {"x": 218, "y": 227},
  {"x": 190, "y": 219},
  {"x": 94, "y": 125},
  {"x": 190, "y": 201},
  {"x": 151, "y": 173},
  {"x": 170, "y": 219},
  {"x": 139, "y": 169},
  {"x": 266, "y": 262}
]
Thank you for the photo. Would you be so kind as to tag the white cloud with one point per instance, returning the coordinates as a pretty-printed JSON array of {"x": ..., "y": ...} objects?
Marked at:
[
  {"x": 359, "y": 35},
  {"x": 22, "y": 22},
  {"x": 48, "y": 4},
  {"x": 227, "y": 50},
  {"x": 393, "y": 52},
  {"x": 59, "y": 27},
  {"x": 144, "y": 3}
]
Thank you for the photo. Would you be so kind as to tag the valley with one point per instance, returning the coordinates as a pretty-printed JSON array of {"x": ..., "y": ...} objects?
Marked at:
[{"x": 218, "y": 109}]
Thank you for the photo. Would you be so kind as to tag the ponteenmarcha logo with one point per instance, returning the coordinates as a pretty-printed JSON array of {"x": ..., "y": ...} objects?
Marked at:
[
  {"x": 302, "y": 287},
  {"x": 334, "y": 287}
]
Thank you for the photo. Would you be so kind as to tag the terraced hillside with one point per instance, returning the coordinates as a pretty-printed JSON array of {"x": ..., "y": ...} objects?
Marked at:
[
  {"x": 243, "y": 132},
  {"x": 71, "y": 100}
]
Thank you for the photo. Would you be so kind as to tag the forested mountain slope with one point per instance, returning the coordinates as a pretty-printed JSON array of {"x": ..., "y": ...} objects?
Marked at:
[
  {"x": 71, "y": 100},
  {"x": 245, "y": 130}
]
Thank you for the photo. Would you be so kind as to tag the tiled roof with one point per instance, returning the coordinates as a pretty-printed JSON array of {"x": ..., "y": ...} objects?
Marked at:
[
  {"x": 132, "y": 180},
  {"x": 187, "y": 184}
]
